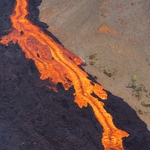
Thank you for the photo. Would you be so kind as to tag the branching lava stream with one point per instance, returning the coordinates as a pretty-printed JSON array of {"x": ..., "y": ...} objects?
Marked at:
[{"x": 59, "y": 65}]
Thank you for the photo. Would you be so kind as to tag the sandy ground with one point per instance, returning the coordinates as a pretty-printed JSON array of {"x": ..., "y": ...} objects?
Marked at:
[{"x": 113, "y": 37}]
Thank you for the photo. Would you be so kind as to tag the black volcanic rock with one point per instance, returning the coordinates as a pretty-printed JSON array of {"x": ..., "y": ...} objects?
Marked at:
[
  {"x": 126, "y": 119},
  {"x": 6, "y": 8},
  {"x": 33, "y": 117}
]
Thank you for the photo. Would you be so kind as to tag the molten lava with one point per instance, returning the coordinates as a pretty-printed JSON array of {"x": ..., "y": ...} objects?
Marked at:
[{"x": 59, "y": 65}]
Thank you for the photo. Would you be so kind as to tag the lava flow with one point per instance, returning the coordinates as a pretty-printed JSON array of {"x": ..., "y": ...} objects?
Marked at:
[{"x": 59, "y": 65}]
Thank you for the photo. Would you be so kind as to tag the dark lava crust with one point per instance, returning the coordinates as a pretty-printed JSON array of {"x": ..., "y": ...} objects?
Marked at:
[{"x": 33, "y": 117}]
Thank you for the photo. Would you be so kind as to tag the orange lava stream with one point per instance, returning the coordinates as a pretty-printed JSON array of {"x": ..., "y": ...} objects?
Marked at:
[{"x": 59, "y": 65}]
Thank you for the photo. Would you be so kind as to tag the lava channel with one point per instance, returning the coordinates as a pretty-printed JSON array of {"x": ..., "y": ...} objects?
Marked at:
[{"x": 57, "y": 64}]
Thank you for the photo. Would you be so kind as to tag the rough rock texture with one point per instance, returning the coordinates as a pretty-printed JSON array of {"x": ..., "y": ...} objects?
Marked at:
[{"x": 33, "y": 117}]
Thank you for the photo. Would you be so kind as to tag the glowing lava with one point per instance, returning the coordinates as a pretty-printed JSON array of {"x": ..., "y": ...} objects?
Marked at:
[{"x": 59, "y": 65}]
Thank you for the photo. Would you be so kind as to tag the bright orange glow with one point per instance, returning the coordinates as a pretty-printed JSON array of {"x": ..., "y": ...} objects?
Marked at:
[{"x": 59, "y": 65}]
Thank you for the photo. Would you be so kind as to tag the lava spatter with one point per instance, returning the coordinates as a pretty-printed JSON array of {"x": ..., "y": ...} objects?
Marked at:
[{"x": 57, "y": 64}]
